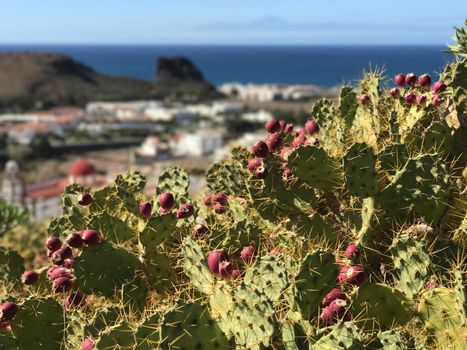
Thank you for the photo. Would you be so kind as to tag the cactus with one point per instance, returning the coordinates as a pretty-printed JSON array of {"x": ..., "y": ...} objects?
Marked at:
[
  {"x": 359, "y": 169},
  {"x": 340, "y": 336}
]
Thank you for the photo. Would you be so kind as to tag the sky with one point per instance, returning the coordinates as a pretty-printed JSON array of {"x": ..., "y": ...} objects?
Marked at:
[{"x": 301, "y": 22}]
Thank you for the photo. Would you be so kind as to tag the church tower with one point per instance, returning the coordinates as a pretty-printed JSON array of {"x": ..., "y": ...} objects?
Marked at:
[{"x": 12, "y": 188}]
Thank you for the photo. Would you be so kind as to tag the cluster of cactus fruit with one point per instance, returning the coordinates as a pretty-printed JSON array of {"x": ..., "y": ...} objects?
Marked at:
[{"x": 348, "y": 233}]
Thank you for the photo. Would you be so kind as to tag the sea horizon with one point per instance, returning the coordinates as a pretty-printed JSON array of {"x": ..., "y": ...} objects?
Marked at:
[{"x": 322, "y": 65}]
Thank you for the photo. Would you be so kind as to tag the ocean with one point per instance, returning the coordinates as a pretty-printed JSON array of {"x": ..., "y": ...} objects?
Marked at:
[{"x": 325, "y": 66}]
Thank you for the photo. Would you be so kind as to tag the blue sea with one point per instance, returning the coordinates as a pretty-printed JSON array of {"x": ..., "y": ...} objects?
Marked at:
[{"x": 325, "y": 66}]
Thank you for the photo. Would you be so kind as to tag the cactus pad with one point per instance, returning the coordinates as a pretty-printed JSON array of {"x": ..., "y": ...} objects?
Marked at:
[{"x": 359, "y": 169}]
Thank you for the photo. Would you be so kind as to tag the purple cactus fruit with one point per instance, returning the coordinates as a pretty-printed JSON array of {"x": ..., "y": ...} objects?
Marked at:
[
  {"x": 272, "y": 126},
  {"x": 248, "y": 254},
  {"x": 410, "y": 79},
  {"x": 236, "y": 274},
  {"x": 352, "y": 252},
  {"x": 60, "y": 255},
  {"x": 220, "y": 198},
  {"x": 421, "y": 100},
  {"x": 8, "y": 310},
  {"x": 299, "y": 141},
  {"x": 285, "y": 153},
  {"x": 53, "y": 244},
  {"x": 287, "y": 173},
  {"x": 254, "y": 163},
  {"x": 62, "y": 284},
  {"x": 288, "y": 129},
  {"x": 199, "y": 230},
  {"x": 225, "y": 269},
  {"x": 438, "y": 87},
  {"x": 68, "y": 263},
  {"x": 436, "y": 100},
  {"x": 410, "y": 98},
  {"x": 56, "y": 272},
  {"x": 145, "y": 208},
  {"x": 394, "y": 92},
  {"x": 399, "y": 79},
  {"x": 424, "y": 81},
  {"x": 334, "y": 294},
  {"x": 207, "y": 200},
  {"x": 5, "y": 326},
  {"x": 260, "y": 149},
  {"x": 84, "y": 198},
  {"x": 185, "y": 211},
  {"x": 334, "y": 311},
  {"x": 215, "y": 258},
  {"x": 29, "y": 277},
  {"x": 260, "y": 172},
  {"x": 74, "y": 300},
  {"x": 365, "y": 99},
  {"x": 282, "y": 124},
  {"x": 87, "y": 344},
  {"x": 75, "y": 240},
  {"x": 352, "y": 274},
  {"x": 91, "y": 237},
  {"x": 311, "y": 127},
  {"x": 219, "y": 208},
  {"x": 166, "y": 200},
  {"x": 274, "y": 142}
]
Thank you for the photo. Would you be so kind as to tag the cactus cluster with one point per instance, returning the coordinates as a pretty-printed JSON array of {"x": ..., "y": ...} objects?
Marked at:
[{"x": 348, "y": 233}]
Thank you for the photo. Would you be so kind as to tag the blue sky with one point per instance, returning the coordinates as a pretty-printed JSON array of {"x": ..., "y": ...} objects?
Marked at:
[{"x": 230, "y": 22}]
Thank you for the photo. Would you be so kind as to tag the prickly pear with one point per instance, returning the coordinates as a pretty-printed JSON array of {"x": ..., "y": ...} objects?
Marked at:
[
  {"x": 185, "y": 211},
  {"x": 29, "y": 277},
  {"x": 260, "y": 149},
  {"x": 272, "y": 126},
  {"x": 53, "y": 244},
  {"x": 84, "y": 198},
  {"x": 91, "y": 237},
  {"x": 399, "y": 79},
  {"x": 8, "y": 310},
  {"x": 438, "y": 87},
  {"x": 311, "y": 127},
  {"x": 247, "y": 255},
  {"x": 215, "y": 258},
  {"x": 75, "y": 240},
  {"x": 145, "y": 208}
]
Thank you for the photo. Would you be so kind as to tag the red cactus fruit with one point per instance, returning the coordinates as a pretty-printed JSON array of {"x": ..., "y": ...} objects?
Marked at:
[
  {"x": 254, "y": 163},
  {"x": 274, "y": 142},
  {"x": 68, "y": 263},
  {"x": 60, "y": 255},
  {"x": 75, "y": 240},
  {"x": 215, "y": 258},
  {"x": 225, "y": 269},
  {"x": 438, "y": 87},
  {"x": 424, "y": 81},
  {"x": 5, "y": 326},
  {"x": 74, "y": 300},
  {"x": 166, "y": 200},
  {"x": 185, "y": 211},
  {"x": 352, "y": 274},
  {"x": 62, "y": 284},
  {"x": 410, "y": 79},
  {"x": 299, "y": 141},
  {"x": 56, "y": 272},
  {"x": 8, "y": 310},
  {"x": 272, "y": 126},
  {"x": 87, "y": 344},
  {"x": 436, "y": 100},
  {"x": 199, "y": 230},
  {"x": 334, "y": 294},
  {"x": 410, "y": 98},
  {"x": 365, "y": 99},
  {"x": 248, "y": 254},
  {"x": 220, "y": 208},
  {"x": 84, "y": 198},
  {"x": 91, "y": 237},
  {"x": 145, "y": 208},
  {"x": 352, "y": 252},
  {"x": 288, "y": 129},
  {"x": 334, "y": 311},
  {"x": 282, "y": 124},
  {"x": 53, "y": 244},
  {"x": 421, "y": 100},
  {"x": 220, "y": 198},
  {"x": 394, "y": 92},
  {"x": 207, "y": 200},
  {"x": 311, "y": 127},
  {"x": 29, "y": 277},
  {"x": 260, "y": 149},
  {"x": 285, "y": 152},
  {"x": 287, "y": 173},
  {"x": 399, "y": 79}
]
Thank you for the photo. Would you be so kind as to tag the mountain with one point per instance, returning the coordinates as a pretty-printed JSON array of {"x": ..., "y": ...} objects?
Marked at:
[{"x": 31, "y": 80}]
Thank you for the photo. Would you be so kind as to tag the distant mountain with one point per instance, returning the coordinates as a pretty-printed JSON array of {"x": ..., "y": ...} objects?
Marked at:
[{"x": 30, "y": 80}]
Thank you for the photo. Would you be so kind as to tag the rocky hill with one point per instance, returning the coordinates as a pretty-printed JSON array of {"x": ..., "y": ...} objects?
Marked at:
[{"x": 29, "y": 80}]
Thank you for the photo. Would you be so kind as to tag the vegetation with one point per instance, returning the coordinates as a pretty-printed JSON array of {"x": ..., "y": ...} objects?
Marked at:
[{"x": 349, "y": 233}]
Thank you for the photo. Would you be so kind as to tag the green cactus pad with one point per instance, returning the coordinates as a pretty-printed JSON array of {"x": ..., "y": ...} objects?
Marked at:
[
  {"x": 392, "y": 158},
  {"x": 133, "y": 295},
  {"x": 359, "y": 169},
  {"x": 312, "y": 165},
  {"x": 411, "y": 263},
  {"x": 174, "y": 180},
  {"x": 157, "y": 230},
  {"x": 316, "y": 277},
  {"x": 11, "y": 266},
  {"x": 119, "y": 337},
  {"x": 148, "y": 333},
  {"x": 159, "y": 271},
  {"x": 111, "y": 228},
  {"x": 341, "y": 336},
  {"x": 7, "y": 341},
  {"x": 104, "y": 268},
  {"x": 347, "y": 105},
  {"x": 422, "y": 185},
  {"x": 101, "y": 320},
  {"x": 269, "y": 275},
  {"x": 382, "y": 304},
  {"x": 190, "y": 326},
  {"x": 39, "y": 324},
  {"x": 241, "y": 234},
  {"x": 196, "y": 266},
  {"x": 392, "y": 340},
  {"x": 75, "y": 213},
  {"x": 228, "y": 178}
]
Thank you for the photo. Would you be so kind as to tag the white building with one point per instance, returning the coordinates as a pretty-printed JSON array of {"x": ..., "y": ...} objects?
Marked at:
[
  {"x": 201, "y": 143},
  {"x": 260, "y": 116}
]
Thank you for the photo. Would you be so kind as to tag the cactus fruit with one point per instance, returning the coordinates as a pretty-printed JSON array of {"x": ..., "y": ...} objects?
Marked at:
[
  {"x": 365, "y": 100},
  {"x": 75, "y": 240},
  {"x": 311, "y": 127},
  {"x": 352, "y": 252},
  {"x": 8, "y": 310},
  {"x": 74, "y": 300},
  {"x": 410, "y": 98},
  {"x": 166, "y": 201},
  {"x": 394, "y": 92},
  {"x": 399, "y": 79},
  {"x": 334, "y": 311},
  {"x": 334, "y": 294},
  {"x": 352, "y": 274},
  {"x": 438, "y": 87},
  {"x": 185, "y": 211},
  {"x": 53, "y": 244},
  {"x": 91, "y": 237},
  {"x": 215, "y": 258},
  {"x": 84, "y": 198},
  {"x": 410, "y": 79},
  {"x": 260, "y": 149},
  {"x": 145, "y": 208},
  {"x": 29, "y": 277},
  {"x": 272, "y": 126},
  {"x": 247, "y": 255},
  {"x": 88, "y": 344},
  {"x": 424, "y": 81},
  {"x": 274, "y": 142}
]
